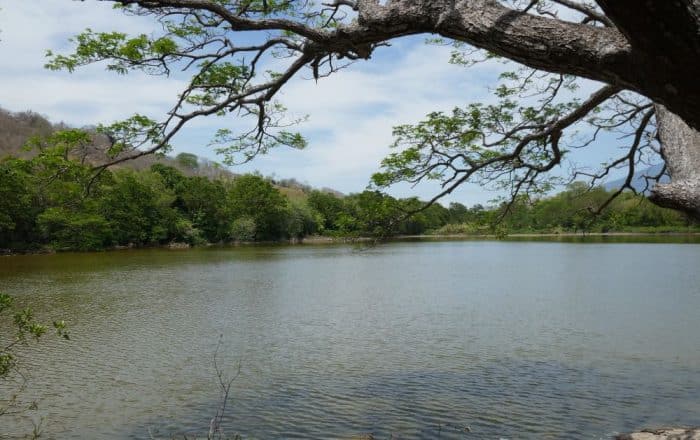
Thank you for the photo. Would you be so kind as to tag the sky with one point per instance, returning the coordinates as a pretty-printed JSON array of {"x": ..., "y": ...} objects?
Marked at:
[{"x": 350, "y": 114}]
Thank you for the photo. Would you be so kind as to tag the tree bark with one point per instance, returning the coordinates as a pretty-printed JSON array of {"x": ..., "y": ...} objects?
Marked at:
[
  {"x": 652, "y": 50},
  {"x": 680, "y": 147},
  {"x": 664, "y": 37}
]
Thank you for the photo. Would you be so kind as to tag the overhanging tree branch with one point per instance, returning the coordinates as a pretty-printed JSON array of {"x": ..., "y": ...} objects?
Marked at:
[{"x": 646, "y": 52}]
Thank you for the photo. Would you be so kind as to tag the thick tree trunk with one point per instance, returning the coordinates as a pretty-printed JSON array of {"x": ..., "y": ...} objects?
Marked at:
[
  {"x": 653, "y": 49},
  {"x": 665, "y": 38},
  {"x": 681, "y": 150}
]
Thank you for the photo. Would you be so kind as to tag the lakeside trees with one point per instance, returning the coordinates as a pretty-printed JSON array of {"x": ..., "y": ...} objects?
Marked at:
[
  {"x": 54, "y": 200},
  {"x": 516, "y": 144}
]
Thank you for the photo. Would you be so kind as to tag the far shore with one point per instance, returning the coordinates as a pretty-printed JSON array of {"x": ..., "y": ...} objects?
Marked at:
[
  {"x": 560, "y": 234},
  {"x": 323, "y": 239}
]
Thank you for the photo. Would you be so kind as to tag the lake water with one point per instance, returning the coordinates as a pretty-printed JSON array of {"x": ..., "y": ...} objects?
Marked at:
[{"x": 412, "y": 340}]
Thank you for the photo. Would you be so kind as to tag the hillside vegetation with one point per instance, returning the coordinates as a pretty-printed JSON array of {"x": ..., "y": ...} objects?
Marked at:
[{"x": 18, "y": 128}]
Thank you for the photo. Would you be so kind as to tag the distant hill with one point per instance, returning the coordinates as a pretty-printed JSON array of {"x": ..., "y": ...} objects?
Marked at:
[
  {"x": 638, "y": 181},
  {"x": 16, "y": 128}
]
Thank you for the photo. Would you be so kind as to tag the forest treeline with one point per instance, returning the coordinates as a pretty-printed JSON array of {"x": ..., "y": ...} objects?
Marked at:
[{"x": 54, "y": 199}]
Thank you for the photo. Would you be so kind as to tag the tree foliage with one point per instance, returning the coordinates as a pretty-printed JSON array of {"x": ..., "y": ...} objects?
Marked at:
[
  {"x": 240, "y": 54},
  {"x": 252, "y": 197}
]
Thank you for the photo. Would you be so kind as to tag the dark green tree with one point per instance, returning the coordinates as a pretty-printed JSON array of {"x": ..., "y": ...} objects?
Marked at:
[
  {"x": 253, "y": 197},
  {"x": 18, "y": 208},
  {"x": 138, "y": 208},
  {"x": 203, "y": 202},
  {"x": 188, "y": 161},
  {"x": 374, "y": 213},
  {"x": 328, "y": 205}
]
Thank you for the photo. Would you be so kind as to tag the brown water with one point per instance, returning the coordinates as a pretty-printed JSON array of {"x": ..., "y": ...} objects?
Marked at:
[{"x": 415, "y": 340}]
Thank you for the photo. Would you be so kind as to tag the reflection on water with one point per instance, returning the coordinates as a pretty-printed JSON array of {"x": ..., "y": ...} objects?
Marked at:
[{"x": 418, "y": 340}]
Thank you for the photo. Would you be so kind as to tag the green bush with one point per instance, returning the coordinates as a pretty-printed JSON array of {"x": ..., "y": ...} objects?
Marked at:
[
  {"x": 243, "y": 229},
  {"x": 68, "y": 230}
]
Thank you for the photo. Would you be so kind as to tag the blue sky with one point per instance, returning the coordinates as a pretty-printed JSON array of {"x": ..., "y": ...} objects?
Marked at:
[{"x": 351, "y": 113}]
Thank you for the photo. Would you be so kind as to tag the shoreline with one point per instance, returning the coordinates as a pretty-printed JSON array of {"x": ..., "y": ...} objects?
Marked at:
[
  {"x": 562, "y": 234},
  {"x": 329, "y": 240}
]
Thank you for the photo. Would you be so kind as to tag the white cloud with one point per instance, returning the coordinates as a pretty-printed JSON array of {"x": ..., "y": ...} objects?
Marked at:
[
  {"x": 29, "y": 28},
  {"x": 86, "y": 99},
  {"x": 88, "y": 96}
]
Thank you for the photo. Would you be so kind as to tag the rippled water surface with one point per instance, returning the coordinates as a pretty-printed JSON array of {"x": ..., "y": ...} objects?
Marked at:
[{"x": 415, "y": 340}]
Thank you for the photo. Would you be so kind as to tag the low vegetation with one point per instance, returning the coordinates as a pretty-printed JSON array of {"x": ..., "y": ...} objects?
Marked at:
[{"x": 570, "y": 211}]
